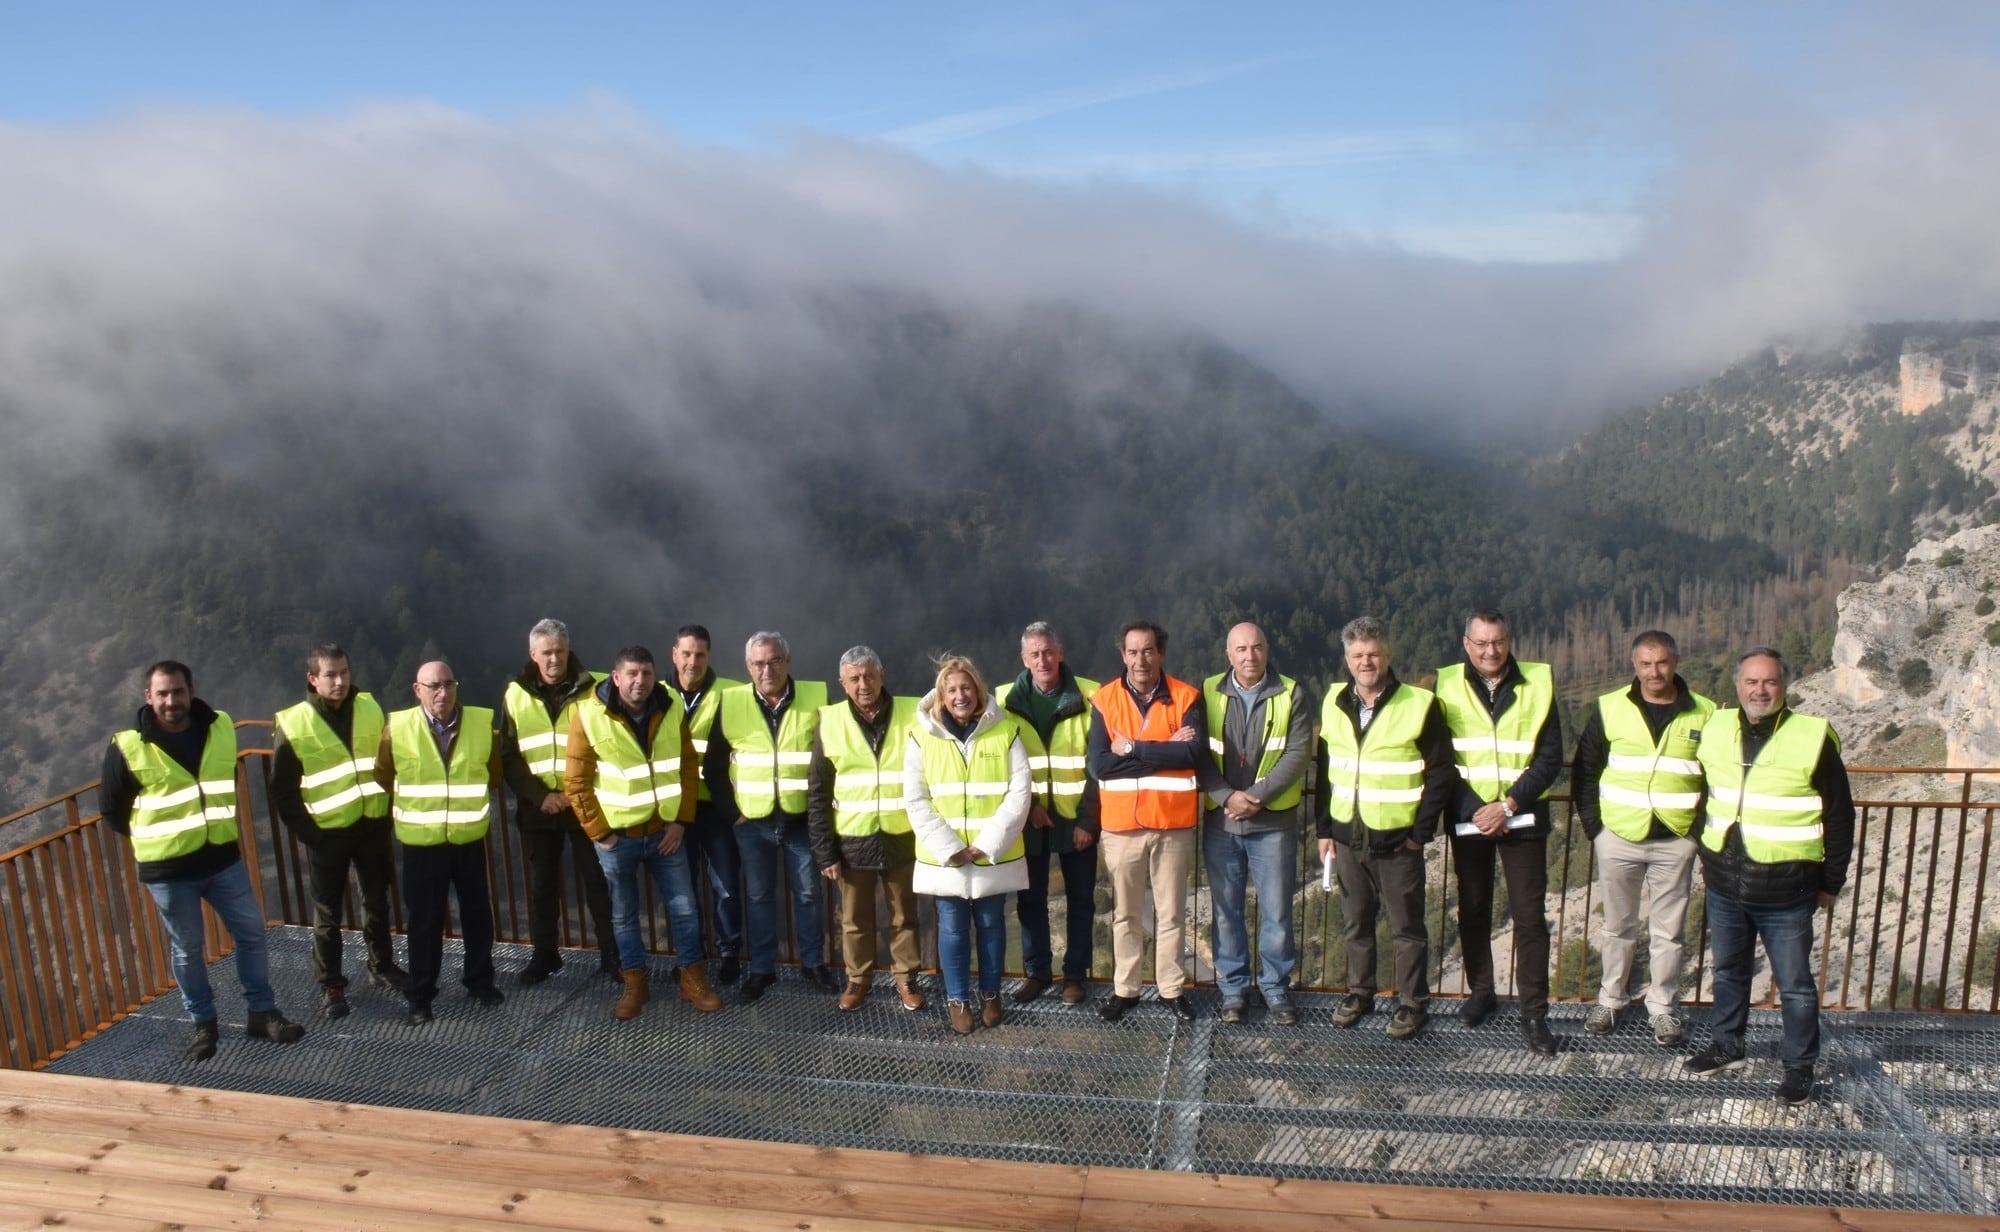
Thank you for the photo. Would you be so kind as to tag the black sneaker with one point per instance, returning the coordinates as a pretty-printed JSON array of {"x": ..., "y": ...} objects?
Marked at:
[
  {"x": 1796, "y": 1087},
  {"x": 420, "y": 1013},
  {"x": 1284, "y": 1014},
  {"x": 274, "y": 1026},
  {"x": 755, "y": 983},
  {"x": 333, "y": 1001},
  {"x": 1407, "y": 1021},
  {"x": 822, "y": 978},
  {"x": 1714, "y": 1059},
  {"x": 1231, "y": 1011},
  {"x": 729, "y": 970},
  {"x": 1353, "y": 1007},
  {"x": 202, "y": 1046},
  {"x": 1180, "y": 1006}
]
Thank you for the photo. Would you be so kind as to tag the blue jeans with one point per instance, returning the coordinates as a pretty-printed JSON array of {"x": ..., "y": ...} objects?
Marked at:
[
  {"x": 621, "y": 863},
  {"x": 1733, "y": 930},
  {"x": 714, "y": 855},
  {"x": 958, "y": 920},
  {"x": 772, "y": 849},
  {"x": 229, "y": 892},
  {"x": 1235, "y": 861},
  {"x": 1079, "y": 870}
]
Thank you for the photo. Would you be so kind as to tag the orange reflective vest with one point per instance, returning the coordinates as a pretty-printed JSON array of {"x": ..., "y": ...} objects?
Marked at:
[{"x": 1158, "y": 799}]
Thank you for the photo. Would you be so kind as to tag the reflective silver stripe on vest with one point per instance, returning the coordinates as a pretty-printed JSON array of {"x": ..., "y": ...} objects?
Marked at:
[
  {"x": 1771, "y": 834},
  {"x": 359, "y": 766},
  {"x": 887, "y": 804},
  {"x": 1729, "y": 797},
  {"x": 764, "y": 759},
  {"x": 441, "y": 817},
  {"x": 357, "y": 792},
  {"x": 171, "y": 827},
  {"x": 1367, "y": 765},
  {"x": 700, "y": 746},
  {"x": 1496, "y": 773},
  {"x": 1645, "y": 764},
  {"x": 1151, "y": 782},
  {"x": 1390, "y": 795},
  {"x": 1654, "y": 802},
  {"x": 769, "y": 789},
  {"x": 1481, "y": 744},
  {"x": 666, "y": 765},
  {"x": 638, "y": 798},
  {"x": 441, "y": 791}
]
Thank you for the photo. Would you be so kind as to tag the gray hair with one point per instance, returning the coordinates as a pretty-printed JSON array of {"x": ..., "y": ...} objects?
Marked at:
[
  {"x": 550, "y": 628},
  {"x": 1364, "y": 629},
  {"x": 1040, "y": 628},
  {"x": 1658, "y": 637},
  {"x": 1485, "y": 615},
  {"x": 860, "y": 656},
  {"x": 767, "y": 639},
  {"x": 1764, "y": 652}
]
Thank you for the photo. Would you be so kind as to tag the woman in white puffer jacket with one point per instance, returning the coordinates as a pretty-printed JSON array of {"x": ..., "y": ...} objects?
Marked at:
[{"x": 966, "y": 788}]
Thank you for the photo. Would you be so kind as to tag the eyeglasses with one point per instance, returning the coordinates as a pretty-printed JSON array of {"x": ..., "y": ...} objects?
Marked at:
[
  {"x": 436, "y": 686},
  {"x": 767, "y": 665},
  {"x": 1498, "y": 643}
]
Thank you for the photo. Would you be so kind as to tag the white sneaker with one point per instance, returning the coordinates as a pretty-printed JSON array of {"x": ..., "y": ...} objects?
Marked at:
[
  {"x": 1603, "y": 1020},
  {"x": 1666, "y": 1030}
]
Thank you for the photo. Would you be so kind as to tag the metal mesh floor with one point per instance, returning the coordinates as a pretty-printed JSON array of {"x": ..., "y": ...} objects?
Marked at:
[{"x": 1908, "y": 1114}]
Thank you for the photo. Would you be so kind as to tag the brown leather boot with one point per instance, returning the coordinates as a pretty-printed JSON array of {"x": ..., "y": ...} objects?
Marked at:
[
  {"x": 989, "y": 1009},
  {"x": 635, "y": 995},
  {"x": 695, "y": 990}
]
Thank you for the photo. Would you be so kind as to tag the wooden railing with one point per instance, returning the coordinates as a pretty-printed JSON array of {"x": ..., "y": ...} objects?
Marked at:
[{"x": 83, "y": 944}]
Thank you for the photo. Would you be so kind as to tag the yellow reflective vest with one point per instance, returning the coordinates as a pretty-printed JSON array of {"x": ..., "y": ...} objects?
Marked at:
[
  {"x": 867, "y": 786},
  {"x": 769, "y": 775},
  {"x": 337, "y": 781},
  {"x": 1379, "y": 778},
  {"x": 634, "y": 787},
  {"x": 433, "y": 803},
  {"x": 967, "y": 790},
  {"x": 543, "y": 742},
  {"x": 1644, "y": 778},
  {"x": 176, "y": 814},
  {"x": 1277, "y": 725},
  {"x": 1061, "y": 768},
  {"x": 1774, "y": 804},
  {"x": 701, "y": 721},
  {"x": 1492, "y": 755}
]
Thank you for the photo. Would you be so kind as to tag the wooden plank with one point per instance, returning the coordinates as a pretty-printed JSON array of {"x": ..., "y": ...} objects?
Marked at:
[
  {"x": 48, "y": 1138},
  {"x": 630, "y": 1200},
  {"x": 25, "y": 1091},
  {"x": 44, "y": 1217}
]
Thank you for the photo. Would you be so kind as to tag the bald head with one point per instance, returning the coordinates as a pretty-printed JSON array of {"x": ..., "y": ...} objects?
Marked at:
[
  {"x": 437, "y": 690},
  {"x": 1248, "y": 655}
]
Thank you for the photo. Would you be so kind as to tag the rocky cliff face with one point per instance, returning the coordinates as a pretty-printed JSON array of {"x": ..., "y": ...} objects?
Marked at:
[{"x": 1916, "y": 665}]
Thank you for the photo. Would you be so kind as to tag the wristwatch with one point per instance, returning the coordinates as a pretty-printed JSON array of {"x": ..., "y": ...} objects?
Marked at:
[{"x": 1507, "y": 806}]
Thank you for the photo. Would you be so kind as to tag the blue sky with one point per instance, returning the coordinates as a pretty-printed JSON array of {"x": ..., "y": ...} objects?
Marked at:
[{"x": 1491, "y": 130}]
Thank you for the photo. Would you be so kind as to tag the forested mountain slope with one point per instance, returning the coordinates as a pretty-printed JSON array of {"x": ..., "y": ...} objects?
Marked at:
[{"x": 903, "y": 473}]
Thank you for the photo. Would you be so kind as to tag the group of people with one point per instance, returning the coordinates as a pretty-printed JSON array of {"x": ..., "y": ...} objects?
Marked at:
[{"x": 968, "y": 793}]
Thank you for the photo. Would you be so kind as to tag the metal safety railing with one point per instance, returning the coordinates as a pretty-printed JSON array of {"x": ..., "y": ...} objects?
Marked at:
[{"x": 1917, "y": 929}]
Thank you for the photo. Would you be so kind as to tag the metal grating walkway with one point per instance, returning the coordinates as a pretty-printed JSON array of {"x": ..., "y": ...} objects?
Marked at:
[{"x": 1909, "y": 1117}]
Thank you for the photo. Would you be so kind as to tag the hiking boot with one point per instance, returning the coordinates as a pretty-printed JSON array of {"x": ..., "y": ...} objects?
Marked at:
[
  {"x": 1284, "y": 1014},
  {"x": 635, "y": 996},
  {"x": 202, "y": 1045},
  {"x": 1603, "y": 1020},
  {"x": 1353, "y": 1008},
  {"x": 695, "y": 990},
  {"x": 1714, "y": 1059},
  {"x": 1666, "y": 1030},
  {"x": 1407, "y": 1021},
  {"x": 274, "y": 1026},
  {"x": 911, "y": 994},
  {"x": 852, "y": 997},
  {"x": 1032, "y": 987},
  {"x": 333, "y": 1001}
]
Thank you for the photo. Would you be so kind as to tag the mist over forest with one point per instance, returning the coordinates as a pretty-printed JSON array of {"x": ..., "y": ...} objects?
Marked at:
[{"x": 411, "y": 380}]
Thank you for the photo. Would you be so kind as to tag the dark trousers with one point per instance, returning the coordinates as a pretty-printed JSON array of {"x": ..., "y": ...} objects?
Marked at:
[
  {"x": 430, "y": 876},
  {"x": 1031, "y": 906},
  {"x": 544, "y": 848},
  {"x": 711, "y": 842},
  {"x": 1373, "y": 881},
  {"x": 1526, "y": 865},
  {"x": 1733, "y": 930},
  {"x": 366, "y": 848}
]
